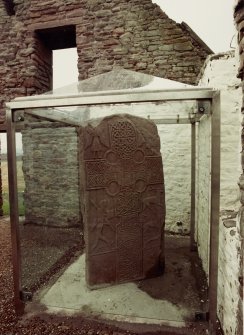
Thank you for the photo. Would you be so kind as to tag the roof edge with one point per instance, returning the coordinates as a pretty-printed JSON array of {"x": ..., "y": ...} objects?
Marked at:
[{"x": 192, "y": 33}]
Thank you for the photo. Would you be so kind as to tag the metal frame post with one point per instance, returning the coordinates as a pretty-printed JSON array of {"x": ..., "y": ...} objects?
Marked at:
[
  {"x": 193, "y": 186},
  {"x": 214, "y": 213},
  {"x": 14, "y": 212}
]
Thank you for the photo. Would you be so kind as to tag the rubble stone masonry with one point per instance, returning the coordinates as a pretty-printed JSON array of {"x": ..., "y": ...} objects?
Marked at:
[{"x": 134, "y": 34}]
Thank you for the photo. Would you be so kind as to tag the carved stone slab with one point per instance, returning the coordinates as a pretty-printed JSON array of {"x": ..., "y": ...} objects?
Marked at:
[{"x": 123, "y": 199}]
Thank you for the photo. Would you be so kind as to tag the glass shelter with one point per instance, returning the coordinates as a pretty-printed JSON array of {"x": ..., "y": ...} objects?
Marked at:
[{"x": 47, "y": 208}]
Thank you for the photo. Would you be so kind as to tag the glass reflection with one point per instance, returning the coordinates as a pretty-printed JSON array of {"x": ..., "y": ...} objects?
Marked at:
[{"x": 51, "y": 229}]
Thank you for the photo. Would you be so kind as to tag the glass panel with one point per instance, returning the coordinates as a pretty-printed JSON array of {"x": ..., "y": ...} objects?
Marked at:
[
  {"x": 173, "y": 111},
  {"x": 53, "y": 259},
  {"x": 118, "y": 79},
  {"x": 50, "y": 220},
  {"x": 4, "y": 173}
]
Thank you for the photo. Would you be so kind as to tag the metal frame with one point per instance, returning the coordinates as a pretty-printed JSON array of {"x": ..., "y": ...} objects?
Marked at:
[
  {"x": 111, "y": 97},
  {"x": 14, "y": 211},
  {"x": 214, "y": 213},
  {"x": 193, "y": 246},
  {"x": 206, "y": 99}
]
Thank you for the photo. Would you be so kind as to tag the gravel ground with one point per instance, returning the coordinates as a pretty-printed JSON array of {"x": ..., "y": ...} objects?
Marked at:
[
  {"x": 45, "y": 251},
  {"x": 10, "y": 324},
  {"x": 45, "y": 324}
]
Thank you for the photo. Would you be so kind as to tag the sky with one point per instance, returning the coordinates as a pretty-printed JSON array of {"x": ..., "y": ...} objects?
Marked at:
[{"x": 212, "y": 21}]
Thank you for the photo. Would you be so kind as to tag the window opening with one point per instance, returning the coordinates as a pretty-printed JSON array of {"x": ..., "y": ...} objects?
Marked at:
[{"x": 65, "y": 70}]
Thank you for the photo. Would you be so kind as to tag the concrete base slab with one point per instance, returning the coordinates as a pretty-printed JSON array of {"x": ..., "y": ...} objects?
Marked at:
[
  {"x": 126, "y": 300},
  {"x": 172, "y": 297}
]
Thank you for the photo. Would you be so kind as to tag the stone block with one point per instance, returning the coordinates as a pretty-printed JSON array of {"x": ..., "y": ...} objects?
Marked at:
[
  {"x": 183, "y": 46},
  {"x": 141, "y": 66},
  {"x": 166, "y": 47},
  {"x": 123, "y": 199},
  {"x": 103, "y": 13},
  {"x": 152, "y": 47},
  {"x": 120, "y": 50},
  {"x": 153, "y": 33}
]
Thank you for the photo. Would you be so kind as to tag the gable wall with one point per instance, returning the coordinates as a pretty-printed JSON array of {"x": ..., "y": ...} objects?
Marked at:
[{"x": 135, "y": 35}]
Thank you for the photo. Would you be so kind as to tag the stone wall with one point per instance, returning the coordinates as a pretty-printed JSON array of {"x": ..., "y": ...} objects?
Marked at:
[
  {"x": 230, "y": 269},
  {"x": 220, "y": 73},
  {"x": 239, "y": 19},
  {"x": 25, "y": 63},
  {"x": 51, "y": 172}
]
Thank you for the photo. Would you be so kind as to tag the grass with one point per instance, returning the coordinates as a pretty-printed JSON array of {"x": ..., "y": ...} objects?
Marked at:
[
  {"x": 6, "y": 207},
  {"x": 5, "y": 190}
]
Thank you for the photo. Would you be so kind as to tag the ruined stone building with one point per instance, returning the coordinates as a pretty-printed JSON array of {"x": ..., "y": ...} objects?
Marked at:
[{"x": 135, "y": 35}]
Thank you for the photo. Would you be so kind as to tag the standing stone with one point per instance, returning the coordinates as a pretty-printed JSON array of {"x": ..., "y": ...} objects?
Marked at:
[{"x": 124, "y": 203}]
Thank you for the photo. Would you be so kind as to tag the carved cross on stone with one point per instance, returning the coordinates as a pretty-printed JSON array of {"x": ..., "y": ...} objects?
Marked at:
[{"x": 124, "y": 204}]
